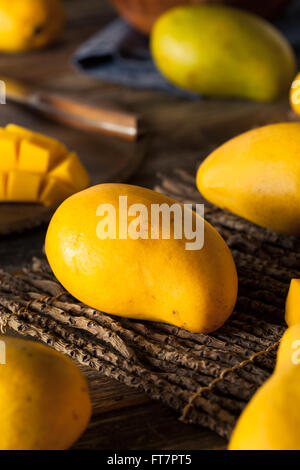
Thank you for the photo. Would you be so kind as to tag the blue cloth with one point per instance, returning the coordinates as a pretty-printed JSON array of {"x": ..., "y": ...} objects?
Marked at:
[{"x": 121, "y": 55}]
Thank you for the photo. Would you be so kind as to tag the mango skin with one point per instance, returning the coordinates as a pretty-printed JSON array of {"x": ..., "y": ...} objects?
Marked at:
[
  {"x": 292, "y": 307},
  {"x": 257, "y": 176},
  {"x": 30, "y": 24},
  {"x": 44, "y": 398},
  {"x": 148, "y": 279},
  {"x": 223, "y": 52},
  {"x": 271, "y": 420}
]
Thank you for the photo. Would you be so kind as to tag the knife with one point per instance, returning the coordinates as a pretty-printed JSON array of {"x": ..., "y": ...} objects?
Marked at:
[{"x": 72, "y": 112}]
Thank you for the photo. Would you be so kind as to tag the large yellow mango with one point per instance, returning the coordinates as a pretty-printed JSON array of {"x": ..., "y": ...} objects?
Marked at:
[
  {"x": 150, "y": 279},
  {"x": 29, "y": 24},
  {"x": 221, "y": 51},
  {"x": 44, "y": 398},
  {"x": 271, "y": 421},
  {"x": 257, "y": 176}
]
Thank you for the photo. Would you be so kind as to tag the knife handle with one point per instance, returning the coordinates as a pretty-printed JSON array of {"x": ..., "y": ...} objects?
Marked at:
[{"x": 83, "y": 116}]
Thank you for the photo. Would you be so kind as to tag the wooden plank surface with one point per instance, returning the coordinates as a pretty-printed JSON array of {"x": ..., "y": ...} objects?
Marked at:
[{"x": 180, "y": 133}]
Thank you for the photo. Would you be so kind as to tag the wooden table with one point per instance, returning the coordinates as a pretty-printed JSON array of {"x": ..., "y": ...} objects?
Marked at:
[{"x": 180, "y": 132}]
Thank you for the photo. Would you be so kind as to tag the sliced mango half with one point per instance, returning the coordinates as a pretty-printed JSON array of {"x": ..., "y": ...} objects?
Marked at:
[{"x": 37, "y": 168}]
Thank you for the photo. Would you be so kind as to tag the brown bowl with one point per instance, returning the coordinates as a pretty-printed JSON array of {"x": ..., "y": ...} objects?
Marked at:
[{"x": 143, "y": 13}]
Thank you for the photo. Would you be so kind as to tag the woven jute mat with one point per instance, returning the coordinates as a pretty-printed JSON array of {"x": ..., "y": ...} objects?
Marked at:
[{"x": 207, "y": 379}]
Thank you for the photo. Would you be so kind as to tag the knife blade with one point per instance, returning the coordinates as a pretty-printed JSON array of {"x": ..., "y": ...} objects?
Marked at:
[{"x": 73, "y": 112}]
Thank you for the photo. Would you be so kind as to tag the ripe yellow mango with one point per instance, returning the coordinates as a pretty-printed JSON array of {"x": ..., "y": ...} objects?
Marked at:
[
  {"x": 44, "y": 398},
  {"x": 142, "y": 278},
  {"x": 29, "y": 24},
  {"x": 221, "y": 51},
  {"x": 292, "y": 308},
  {"x": 271, "y": 421},
  {"x": 37, "y": 168},
  {"x": 257, "y": 176}
]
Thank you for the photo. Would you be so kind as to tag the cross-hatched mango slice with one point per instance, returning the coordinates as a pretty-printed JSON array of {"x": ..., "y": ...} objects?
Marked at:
[
  {"x": 9, "y": 147},
  {"x": 54, "y": 192},
  {"x": 3, "y": 178},
  {"x": 35, "y": 157},
  {"x": 41, "y": 139},
  {"x": 72, "y": 172},
  {"x": 37, "y": 168},
  {"x": 23, "y": 187}
]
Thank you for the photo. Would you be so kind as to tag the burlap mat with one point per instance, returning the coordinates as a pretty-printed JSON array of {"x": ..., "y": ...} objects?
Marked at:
[{"x": 207, "y": 379}]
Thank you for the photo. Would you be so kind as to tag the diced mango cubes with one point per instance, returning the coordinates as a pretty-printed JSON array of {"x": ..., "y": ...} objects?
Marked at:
[
  {"x": 55, "y": 191},
  {"x": 36, "y": 157},
  {"x": 41, "y": 139},
  {"x": 23, "y": 186},
  {"x": 3, "y": 178},
  {"x": 37, "y": 168},
  {"x": 9, "y": 146},
  {"x": 71, "y": 171}
]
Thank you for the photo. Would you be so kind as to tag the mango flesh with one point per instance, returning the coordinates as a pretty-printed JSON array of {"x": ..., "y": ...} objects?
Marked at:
[
  {"x": 54, "y": 192},
  {"x": 222, "y": 51},
  {"x": 70, "y": 172},
  {"x": 271, "y": 420},
  {"x": 3, "y": 178},
  {"x": 44, "y": 398},
  {"x": 292, "y": 308},
  {"x": 257, "y": 176},
  {"x": 149, "y": 279},
  {"x": 23, "y": 189},
  {"x": 9, "y": 145},
  {"x": 37, "y": 168},
  {"x": 41, "y": 139}
]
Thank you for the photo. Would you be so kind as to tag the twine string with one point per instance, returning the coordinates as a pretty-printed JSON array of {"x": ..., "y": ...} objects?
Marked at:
[{"x": 208, "y": 388}]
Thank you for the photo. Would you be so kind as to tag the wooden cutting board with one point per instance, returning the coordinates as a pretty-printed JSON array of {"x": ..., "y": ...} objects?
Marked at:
[{"x": 107, "y": 160}]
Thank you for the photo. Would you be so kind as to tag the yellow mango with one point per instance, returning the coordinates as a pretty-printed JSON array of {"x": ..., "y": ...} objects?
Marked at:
[
  {"x": 292, "y": 308},
  {"x": 44, "y": 398},
  {"x": 221, "y": 51},
  {"x": 71, "y": 171},
  {"x": 54, "y": 192},
  {"x": 36, "y": 157},
  {"x": 271, "y": 420},
  {"x": 29, "y": 24},
  {"x": 23, "y": 187},
  {"x": 3, "y": 178},
  {"x": 257, "y": 176},
  {"x": 9, "y": 147},
  {"x": 143, "y": 278}
]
